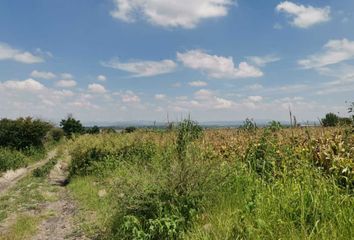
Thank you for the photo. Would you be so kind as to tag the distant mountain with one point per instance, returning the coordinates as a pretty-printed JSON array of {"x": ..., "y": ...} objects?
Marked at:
[{"x": 143, "y": 123}]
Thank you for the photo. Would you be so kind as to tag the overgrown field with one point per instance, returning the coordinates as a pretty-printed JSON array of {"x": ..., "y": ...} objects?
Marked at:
[{"x": 215, "y": 184}]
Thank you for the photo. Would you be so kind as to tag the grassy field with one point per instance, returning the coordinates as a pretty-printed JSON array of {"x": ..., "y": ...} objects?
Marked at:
[{"x": 190, "y": 183}]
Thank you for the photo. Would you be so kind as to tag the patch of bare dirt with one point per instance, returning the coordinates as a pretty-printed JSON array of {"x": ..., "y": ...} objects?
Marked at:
[{"x": 61, "y": 222}]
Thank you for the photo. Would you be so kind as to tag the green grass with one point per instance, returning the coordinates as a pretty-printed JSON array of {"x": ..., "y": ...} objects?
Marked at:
[
  {"x": 250, "y": 208},
  {"x": 24, "y": 227},
  {"x": 26, "y": 196},
  {"x": 95, "y": 211}
]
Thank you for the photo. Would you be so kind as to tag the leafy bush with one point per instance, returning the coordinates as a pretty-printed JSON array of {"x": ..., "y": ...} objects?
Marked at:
[
  {"x": 93, "y": 130},
  {"x": 11, "y": 159},
  {"x": 71, "y": 126},
  {"x": 23, "y": 132},
  {"x": 56, "y": 134},
  {"x": 249, "y": 125},
  {"x": 90, "y": 154},
  {"x": 274, "y": 126},
  {"x": 129, "y": 129},
  {"x": 156, "y": 215}
]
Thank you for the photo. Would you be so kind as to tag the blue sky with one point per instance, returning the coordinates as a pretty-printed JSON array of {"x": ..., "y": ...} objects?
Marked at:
[{"x": 121, "y": 60}]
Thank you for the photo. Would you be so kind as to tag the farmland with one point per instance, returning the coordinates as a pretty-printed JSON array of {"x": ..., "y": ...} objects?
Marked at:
[{"x": 187, "y": 182}]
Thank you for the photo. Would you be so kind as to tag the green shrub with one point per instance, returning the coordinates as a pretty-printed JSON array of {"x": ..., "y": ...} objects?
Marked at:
[
  {"x": 155, "y": 215},
  {"x": 98, "y": 154},
  {"x": 165, "y": 208},
  {"x": 56, "y": 134},
  {"x": 11, "y": 159},
  {"x": 23, "y": 132},
  {"x": 93, "y": 130},
  {"x": 130, "y": 129},
  {"x": 249, "y": 125},
  {"x": 45, "y": 169},
  {"x": 274, "y": 126}
]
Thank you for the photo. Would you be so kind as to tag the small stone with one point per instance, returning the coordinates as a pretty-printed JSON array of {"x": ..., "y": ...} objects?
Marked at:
[{"x": 102, "y": 193}]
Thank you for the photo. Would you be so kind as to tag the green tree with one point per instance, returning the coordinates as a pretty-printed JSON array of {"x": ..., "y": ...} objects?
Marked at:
[
  {"x": 71, "y": 126},
  {"x": 330, "y": 120}
]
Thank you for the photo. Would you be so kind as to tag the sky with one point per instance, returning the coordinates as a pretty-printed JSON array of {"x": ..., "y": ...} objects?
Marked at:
[{"x": 215, "y": 60}]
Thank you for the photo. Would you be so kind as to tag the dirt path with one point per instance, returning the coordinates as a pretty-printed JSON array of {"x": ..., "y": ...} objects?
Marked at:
[
  {"x": 11, "y": 177},
  {"x": 61, "y": 225}
]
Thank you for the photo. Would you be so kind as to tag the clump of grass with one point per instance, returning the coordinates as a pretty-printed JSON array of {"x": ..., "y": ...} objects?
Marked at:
[
  {"x": 24, "y": 227},
  {"x": 44, "y": 170}
]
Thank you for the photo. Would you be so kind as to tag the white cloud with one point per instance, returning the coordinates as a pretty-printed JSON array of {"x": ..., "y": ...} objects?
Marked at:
[
  {"x": 96, "y": 88},
  {"x": 63, "y": 93},
  {"x": 44, "y": 75},
  {"x": 203, "y": 94},
  {"x": 197, "y": 84},
  {"x": 264, "y": 60},
  {"x": 9, "y": 53},
  {"x": 173, "y": 13},
  {"x": 217, "y": 66},
  {"x": 255, "y": 98},
  {"x": 221, "y": 103},
  {"x": 67, "y": 76},
  {"x": 335, "y": 51},
  {"x": 143, "y": 68},
  {"x": 304, "y": 16},
  {"x": 207, "y": 99},
  {"x": 101, "y": 78},
  {"x": 160, "y": 96},
  {"x": 130, "y": 97},
  {"x": 66, "y": 83},
  {"x": 26, "y": 85}
]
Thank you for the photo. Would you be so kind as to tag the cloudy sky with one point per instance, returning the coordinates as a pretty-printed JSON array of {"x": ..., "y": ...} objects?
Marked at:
[{"x": 122, "y": 60}]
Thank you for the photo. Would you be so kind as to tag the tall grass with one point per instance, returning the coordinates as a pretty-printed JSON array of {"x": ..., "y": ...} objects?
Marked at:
[{"x": 216, "y": 184}]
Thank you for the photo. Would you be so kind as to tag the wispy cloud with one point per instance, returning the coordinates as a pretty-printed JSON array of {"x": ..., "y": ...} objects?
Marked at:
[
  {"x": 9, "y": 53},
  {"x": 262, "y": 61},
  {"x": 335, "y": 51},
  {"x": 143, "y": 68}
]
